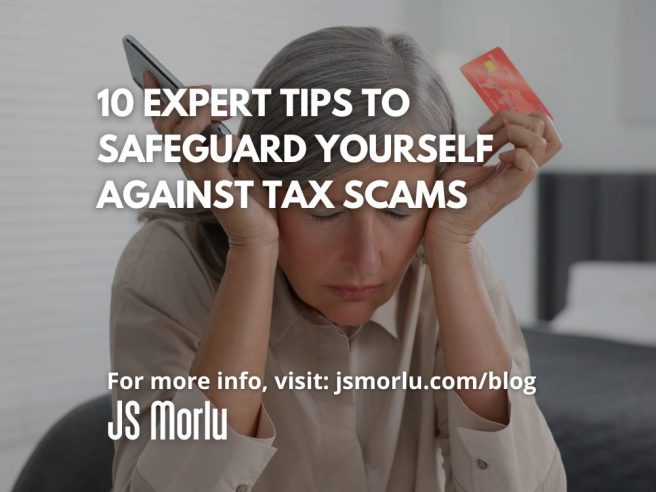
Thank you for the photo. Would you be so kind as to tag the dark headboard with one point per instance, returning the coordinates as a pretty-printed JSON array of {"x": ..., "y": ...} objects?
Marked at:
[{"x": 591, "y": 216}]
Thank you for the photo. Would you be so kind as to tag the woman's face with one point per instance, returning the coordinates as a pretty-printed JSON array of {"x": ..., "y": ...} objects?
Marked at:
[{"x": 323, "y": 249}]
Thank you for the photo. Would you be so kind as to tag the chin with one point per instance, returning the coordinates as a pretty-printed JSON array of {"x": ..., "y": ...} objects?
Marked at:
[{"x": 349, "y": 317}]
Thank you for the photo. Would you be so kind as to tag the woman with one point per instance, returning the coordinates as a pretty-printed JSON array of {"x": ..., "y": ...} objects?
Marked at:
[{"x": 350, "y": 292}]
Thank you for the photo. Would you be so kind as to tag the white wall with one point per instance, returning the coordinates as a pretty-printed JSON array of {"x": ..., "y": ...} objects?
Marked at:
[{"x": 571, "y": 53}]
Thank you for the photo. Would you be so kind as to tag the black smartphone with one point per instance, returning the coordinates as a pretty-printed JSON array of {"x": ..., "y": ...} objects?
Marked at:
[{"x": 141, "y": 60}]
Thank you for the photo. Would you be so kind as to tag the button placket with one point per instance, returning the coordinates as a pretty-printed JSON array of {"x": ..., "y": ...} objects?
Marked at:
[{"x": 342, "y": 465}]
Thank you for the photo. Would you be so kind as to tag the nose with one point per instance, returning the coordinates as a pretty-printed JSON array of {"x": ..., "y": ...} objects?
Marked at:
[{"x": 362, "y": 247}]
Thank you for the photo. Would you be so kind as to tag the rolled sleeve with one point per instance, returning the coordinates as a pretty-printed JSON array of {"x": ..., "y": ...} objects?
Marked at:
[
  {"x": 210, "y": 465},
  {"x": 160, "y": 304},
  {"x": 488, "y": 456}
]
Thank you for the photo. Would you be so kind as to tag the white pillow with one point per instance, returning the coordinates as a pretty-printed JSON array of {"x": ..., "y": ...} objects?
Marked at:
[{"x": 615, "y": 300}]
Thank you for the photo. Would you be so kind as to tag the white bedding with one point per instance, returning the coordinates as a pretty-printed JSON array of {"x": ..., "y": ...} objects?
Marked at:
[{"x": 615, "y": 300}]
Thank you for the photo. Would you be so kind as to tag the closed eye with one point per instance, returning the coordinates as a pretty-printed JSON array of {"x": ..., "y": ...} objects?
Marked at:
[
  {"x": 326, "y": 217},
  {"x": 391, "y": 213},
  {"x": 396, "y": 215}
]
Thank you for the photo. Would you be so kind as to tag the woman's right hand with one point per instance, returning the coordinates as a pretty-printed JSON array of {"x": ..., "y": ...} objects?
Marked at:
[{"x": 251, "y": 227}]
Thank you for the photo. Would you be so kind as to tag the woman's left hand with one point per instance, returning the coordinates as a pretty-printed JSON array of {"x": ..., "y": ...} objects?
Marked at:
[{"x": 490, "y": 188}]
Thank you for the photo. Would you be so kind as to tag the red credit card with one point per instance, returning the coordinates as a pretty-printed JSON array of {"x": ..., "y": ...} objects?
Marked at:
[{"x": 500, "y": 85}]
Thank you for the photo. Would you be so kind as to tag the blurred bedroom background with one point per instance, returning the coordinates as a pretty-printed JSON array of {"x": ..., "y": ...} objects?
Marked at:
[{"x": 577, "y": 252}]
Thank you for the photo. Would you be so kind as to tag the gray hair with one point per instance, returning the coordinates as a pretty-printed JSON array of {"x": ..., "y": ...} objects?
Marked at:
[
  {"x": 334, "y": 58},
  {"x": 352, "y": 58}
]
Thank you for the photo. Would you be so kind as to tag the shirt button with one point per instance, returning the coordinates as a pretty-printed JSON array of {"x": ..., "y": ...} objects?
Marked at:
[
  {"x": 242, "y": 488},
  {"x": 481, "y": 464}
]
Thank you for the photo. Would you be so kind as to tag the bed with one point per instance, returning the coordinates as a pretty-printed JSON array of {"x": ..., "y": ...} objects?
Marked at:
[{"x": 597, "y": 394}]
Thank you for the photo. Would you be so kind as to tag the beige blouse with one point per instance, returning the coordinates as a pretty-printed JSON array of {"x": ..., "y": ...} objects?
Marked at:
[{"x": 312, "y": 440}]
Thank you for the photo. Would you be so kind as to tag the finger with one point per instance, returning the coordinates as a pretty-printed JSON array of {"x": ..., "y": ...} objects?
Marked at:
[
  {"x": 185, "y": 100},
  {"x": 218, "y": 170},
  {"x": 523, "y": 138},
  {"x": 515, "y": 171},
  {"x": 468, "y": 173},
  {"x": 480, "y": 175},
  {"x": 224, "y": 107},
  {"x": 222, "y": 171},
  {"x": 195, "y": 124},
  {"x": 504, "y": 117},
  {"x": 149, "y": 81},
  {"x": 169, "y": 123},
  {"x": 498, "y": 141},
  {"x": 500, "y": 137},
  {"x": 173, "y": 121},
  {"x": 472, "y": 151},
  {"x": 554, "y": 142},
  {"x": 166, "y": 125}
]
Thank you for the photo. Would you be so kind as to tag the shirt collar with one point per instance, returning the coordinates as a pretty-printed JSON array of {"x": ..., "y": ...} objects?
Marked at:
[
  {"x": 385, "y": 314},
  {"x": 288, "y": 309}
]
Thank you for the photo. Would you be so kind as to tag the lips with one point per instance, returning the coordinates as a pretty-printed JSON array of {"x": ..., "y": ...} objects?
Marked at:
[{"x": 354, "y": 293}]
